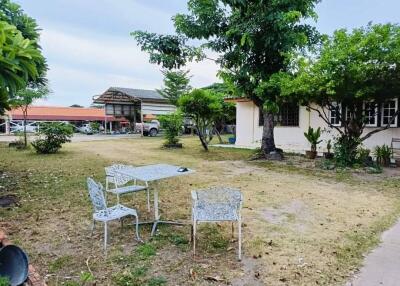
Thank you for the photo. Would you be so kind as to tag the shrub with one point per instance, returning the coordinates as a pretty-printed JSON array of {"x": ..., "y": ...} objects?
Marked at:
[
  {"x": 172, "y": 124},
  {"x": 345, "y": 149},
  {"x": 383, "y": 154},
  {"x": 364, "y": 158},
  {"x": 51, "y": 137}
]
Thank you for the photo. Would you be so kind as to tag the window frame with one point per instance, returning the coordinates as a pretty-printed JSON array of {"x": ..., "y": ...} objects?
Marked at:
[
  {"x": 338, "y": 107},
  {"x": 260, "y": 117},
  {"x": 375, "y": 116},
  {"x": 396, "y": 107},
  {"x": 289, "y": 108}
]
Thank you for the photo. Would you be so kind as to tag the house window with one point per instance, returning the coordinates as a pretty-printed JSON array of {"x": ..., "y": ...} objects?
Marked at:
[
  {"x": 126, "y": 110},
  {"x": 334, "y": 114},
  {"x": 117, "y": 110},
  {"x": 389, "y": 109},
  {"x": 260, "y": 117},
  {"x": 371, "y": 114},
  {"x": 109, "y": 109},
  {"x": 288, "y": 115}
]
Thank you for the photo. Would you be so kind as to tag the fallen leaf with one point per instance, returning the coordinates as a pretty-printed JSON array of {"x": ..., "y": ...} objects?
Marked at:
[
  {"x": 214, "y": 278},
  {"x": 192, "y": 274}
]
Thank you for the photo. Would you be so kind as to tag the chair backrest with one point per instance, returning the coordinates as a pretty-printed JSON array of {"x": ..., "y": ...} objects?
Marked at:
[
  {"x": 116, "y": 177},
  {"x": 96, "y": 195},
  {"x": 223, "y": 195}
]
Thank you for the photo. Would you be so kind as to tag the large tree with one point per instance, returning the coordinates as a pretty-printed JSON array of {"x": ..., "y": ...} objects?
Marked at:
[
  {"x": 350, "y": 80},
  {"x": 18, "y": 63},
  {"x": 252, "y": 39},
  {"x": 21, "y": 60},
  {"x": 176, "y": 83}
]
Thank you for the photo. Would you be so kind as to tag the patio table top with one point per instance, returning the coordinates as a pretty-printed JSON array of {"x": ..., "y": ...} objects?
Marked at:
[{"x": 153, "y": 172}]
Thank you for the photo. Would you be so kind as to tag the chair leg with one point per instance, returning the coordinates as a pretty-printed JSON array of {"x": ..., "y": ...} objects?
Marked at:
[
  {"x": 105, "y": 237},
  {"x": 118, "y": 198},
  {"x": 93, "y": 226},
  {"x": 137, "y": 228},
  {"x": 148, "y": 200},
  {"x": 240, "y": 238},
  {"x": 233, "y": 230}
]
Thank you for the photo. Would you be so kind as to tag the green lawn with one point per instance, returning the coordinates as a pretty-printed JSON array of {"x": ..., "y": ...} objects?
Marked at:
[{"x": 301, "y": 226}]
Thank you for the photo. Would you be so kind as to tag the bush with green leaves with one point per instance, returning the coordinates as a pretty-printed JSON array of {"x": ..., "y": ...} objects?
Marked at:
[
  {"x": 52, "y": 136},
  {"x": 345, "y": 149},
  {"x": 383, "y": 154},
  {"x": 172, "y": 125}
]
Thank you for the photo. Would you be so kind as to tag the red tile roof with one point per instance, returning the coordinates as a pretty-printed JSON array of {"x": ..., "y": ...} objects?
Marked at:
[{"x": 53, "y": 113}]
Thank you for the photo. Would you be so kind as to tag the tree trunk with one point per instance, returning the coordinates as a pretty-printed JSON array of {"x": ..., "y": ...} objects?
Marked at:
[
  {"x": 268, "y": 147},
  {"x": 219, "y": 136},
  {"x": 25, "y": 113},
  {"x": 202, "y": 139}
]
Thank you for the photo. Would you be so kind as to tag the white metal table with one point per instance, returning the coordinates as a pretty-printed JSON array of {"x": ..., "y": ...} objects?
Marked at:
[{"x": 153, "y": 173}]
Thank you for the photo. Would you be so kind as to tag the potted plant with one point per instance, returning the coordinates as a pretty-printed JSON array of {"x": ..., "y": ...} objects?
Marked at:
[
  {"x": 313, "y": 137},
  {"x": 328, "y": 155},
  {"x": 383, "y": 154}
]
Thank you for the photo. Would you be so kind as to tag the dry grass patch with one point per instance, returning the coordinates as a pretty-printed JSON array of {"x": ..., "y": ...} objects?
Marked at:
[{"x": 300, "y": 227}]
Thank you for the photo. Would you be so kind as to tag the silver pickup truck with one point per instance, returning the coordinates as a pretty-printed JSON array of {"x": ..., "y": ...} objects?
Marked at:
[{"x": 149, "y": 128}]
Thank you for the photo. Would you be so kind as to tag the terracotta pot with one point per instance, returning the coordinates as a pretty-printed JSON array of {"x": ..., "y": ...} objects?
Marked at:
[
  {"x": 328, "y": 155},
  {"x": 311, "y": 154}
]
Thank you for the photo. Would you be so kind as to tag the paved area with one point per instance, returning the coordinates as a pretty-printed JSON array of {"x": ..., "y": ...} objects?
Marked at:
[
  {"x": 77, "y": 137},
  {"x": 382, "y": 265}
]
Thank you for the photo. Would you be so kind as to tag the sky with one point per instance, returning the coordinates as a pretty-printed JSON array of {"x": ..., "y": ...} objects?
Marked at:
[{"x": 89, "y": 49}]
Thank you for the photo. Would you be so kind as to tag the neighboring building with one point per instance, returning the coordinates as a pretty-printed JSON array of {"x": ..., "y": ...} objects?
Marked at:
[
  {"x": 294, "y": 120},
  {"x": 13, "y": 120},
  {"x": 146, "y": 103}
]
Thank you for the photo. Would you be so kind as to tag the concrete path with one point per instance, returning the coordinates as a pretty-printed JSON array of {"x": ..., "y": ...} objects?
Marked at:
[{"x": 382, "y": 265}]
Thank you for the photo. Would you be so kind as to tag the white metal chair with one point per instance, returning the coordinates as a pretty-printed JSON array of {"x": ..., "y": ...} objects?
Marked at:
[
  {"x": 120, "y": 181},
  {"x": 105, "y": 214},
  {"x": 215, "y": 205}
]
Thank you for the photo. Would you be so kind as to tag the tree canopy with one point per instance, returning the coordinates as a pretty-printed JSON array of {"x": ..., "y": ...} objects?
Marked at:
[
  {"x": 176, "y": 83},
  {"x": 252, "y": 39},
  {"x": 21, "y": 60},
  {"x": 352, "y": 74},
  {"x": 18, "y": 63},
  {"x": 203, "y": 106}
]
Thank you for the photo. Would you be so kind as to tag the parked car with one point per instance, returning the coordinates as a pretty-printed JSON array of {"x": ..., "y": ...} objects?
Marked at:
[
  {"x": 149, "y": 128},
  {"x": 20, "y": 128},
  {"x": 86, "y": 129}
]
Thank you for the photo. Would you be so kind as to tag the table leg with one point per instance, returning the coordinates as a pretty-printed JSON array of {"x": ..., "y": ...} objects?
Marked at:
[{"x": 157, "y": 215}]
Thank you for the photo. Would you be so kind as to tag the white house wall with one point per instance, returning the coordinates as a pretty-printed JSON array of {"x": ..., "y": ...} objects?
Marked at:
[
  {"x": 157, "y": 109},
  {"x": 291, "y": 139}
]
